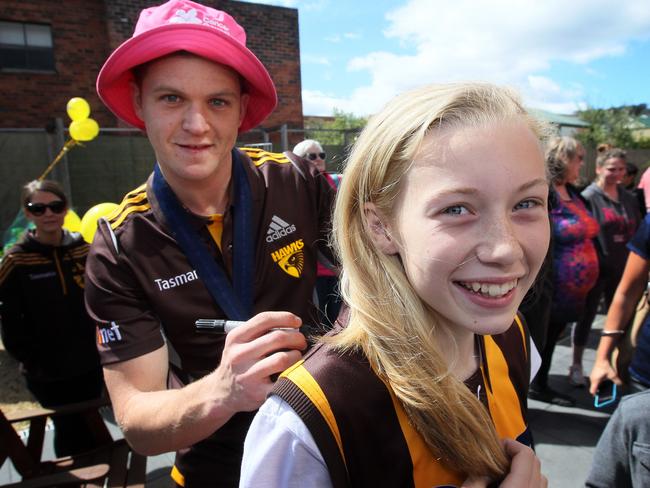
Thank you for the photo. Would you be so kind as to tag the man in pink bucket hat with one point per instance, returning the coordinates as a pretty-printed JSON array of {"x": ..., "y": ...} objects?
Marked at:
[{"x": 218, "y": 233}]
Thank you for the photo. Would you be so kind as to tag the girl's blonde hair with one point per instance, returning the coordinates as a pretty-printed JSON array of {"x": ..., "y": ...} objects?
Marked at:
[{"x": 389, "y": 322}]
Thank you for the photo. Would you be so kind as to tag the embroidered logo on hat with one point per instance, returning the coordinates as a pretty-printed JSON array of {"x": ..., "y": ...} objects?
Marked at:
[{"x": 192, "y": 16}]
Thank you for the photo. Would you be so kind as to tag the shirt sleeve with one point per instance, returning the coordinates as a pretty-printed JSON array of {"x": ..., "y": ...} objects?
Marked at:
[
  {"x": 280, "y": 451},
  {"x": 610, "y": 464},
  {"x": 16, "y": 333},
  {"x": 126, "y": 325}
]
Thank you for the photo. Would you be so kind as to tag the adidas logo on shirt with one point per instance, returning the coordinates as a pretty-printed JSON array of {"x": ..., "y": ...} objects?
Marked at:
[{"x": 278, "y": 229}]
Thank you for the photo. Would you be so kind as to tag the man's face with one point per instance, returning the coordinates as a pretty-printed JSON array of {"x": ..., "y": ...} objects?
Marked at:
[{"x": 192, "y": 109}]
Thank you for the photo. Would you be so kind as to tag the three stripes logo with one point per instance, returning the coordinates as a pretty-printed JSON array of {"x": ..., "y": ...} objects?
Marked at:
[{"x": 278, "y": 229}]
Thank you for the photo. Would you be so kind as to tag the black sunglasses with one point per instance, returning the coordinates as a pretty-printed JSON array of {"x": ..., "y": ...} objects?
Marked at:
[
  {"x": 38, "y": 209},
  {"x": 313, "y": 156}
]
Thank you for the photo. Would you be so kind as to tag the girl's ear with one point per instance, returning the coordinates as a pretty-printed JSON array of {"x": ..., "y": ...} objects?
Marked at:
[{"x": 378, "y": 231}]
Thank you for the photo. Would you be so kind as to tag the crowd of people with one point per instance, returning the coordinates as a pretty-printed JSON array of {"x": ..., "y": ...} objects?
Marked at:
[{"x": 387, "y": 306}]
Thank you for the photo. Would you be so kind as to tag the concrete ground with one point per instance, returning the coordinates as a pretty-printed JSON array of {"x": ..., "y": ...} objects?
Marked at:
[{"x": 565, "y": 437}]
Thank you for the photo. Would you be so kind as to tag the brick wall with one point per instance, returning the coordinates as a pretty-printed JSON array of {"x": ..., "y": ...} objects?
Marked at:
[
  {"x": 80, "y": 46},
  {"x": 86, "y": 31}
]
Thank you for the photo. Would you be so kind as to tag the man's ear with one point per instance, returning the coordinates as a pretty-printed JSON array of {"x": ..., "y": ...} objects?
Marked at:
[
  {"x": 243, "y": 106},
  {"x": 136, "y": 94},
  {"x": 378, "y": 230}
]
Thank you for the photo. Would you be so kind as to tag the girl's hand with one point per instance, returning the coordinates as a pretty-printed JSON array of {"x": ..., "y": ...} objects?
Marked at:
[
  {"x": 524, "y": 472},
  {"x": 525, "y": 467}
]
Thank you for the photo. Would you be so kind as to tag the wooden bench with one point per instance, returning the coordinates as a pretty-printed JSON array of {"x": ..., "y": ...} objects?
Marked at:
[{"x": 112, "y": 464}]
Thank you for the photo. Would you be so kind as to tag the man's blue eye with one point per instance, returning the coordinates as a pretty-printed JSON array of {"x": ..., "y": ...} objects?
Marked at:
[{"x": 217, "y": 102}]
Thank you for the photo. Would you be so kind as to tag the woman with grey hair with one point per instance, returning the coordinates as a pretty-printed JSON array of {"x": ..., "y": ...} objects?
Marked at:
[
  {"x": 329, "y": 301},
  {"x": 575, "y": 263}
]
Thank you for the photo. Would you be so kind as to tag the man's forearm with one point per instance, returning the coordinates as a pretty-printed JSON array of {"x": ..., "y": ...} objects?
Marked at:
[{"x": 162, "y": 421}]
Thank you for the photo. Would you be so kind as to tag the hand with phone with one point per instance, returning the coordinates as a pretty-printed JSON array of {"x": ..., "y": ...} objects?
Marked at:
[{"x": 605, "y": 394}]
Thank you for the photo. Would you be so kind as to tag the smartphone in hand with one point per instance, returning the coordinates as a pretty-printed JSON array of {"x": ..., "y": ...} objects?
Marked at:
[{"x": 606, "y": 394}]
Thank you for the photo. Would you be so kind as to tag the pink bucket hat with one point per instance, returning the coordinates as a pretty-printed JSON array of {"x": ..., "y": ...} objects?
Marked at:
[{"x": 183, "y": 25}]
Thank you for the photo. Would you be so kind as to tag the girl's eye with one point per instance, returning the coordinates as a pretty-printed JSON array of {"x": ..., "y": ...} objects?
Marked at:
[
  {"x": 527, "y": 204},
  {"x": 456, "y": 210}
]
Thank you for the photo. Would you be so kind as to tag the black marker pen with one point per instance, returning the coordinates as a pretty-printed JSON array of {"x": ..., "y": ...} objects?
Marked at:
[
  {"x": 217, "y": 326},
  {"x": 221, "y": 326}
]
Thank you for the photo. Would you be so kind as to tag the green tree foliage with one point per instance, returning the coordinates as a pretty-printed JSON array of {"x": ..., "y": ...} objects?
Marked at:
[
  {"x": 340, "y": 131},
  {"x": 612, "y": 125}
]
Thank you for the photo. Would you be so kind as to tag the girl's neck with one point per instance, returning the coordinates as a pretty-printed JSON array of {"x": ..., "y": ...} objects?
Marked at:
[
  {"x": 49, "y": 238},
  {"x": 464, "y": 363},
  {"x": 611, "y": 190}
]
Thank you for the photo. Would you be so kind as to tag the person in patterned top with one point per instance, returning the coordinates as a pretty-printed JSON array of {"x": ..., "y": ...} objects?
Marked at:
[{"x": 575, "y": 262}]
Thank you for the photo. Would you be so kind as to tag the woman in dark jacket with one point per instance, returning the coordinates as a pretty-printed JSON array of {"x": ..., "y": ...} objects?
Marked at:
[
  {"x": 44, "y": 322},
  {"x": 618, "y": 214}
]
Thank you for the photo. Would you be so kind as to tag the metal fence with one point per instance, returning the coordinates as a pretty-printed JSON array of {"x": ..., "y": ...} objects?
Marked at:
[{"x": 105, "y": 169}]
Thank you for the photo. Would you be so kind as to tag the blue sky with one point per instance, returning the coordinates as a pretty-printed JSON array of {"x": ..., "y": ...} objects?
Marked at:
[{"x": 562, "y": 55}]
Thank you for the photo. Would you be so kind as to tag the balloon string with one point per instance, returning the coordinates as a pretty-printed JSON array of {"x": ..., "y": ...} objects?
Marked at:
[{"x": 69, "y": 144}]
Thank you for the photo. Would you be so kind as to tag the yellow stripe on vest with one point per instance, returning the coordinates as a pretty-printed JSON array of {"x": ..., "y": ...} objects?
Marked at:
[
  {"x": 299, "y": 376},
  {"x": 506, "y": 413},
  {"x": 427, "y": 470},
  {"x": 520, "y": 324},
  {"x": 177, "y": 476}
]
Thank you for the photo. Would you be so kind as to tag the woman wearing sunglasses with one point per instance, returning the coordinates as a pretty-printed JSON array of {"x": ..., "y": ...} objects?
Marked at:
[
  {"x": 44, "y": 322},
  {"x": 329, "y": 301}
]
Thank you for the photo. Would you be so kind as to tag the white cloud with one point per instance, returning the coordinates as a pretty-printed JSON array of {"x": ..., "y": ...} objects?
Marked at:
[
  {"x": 503, "y": 41},
  {"x": 335, "y": 38},
  {"x": 313, "y": 59}
]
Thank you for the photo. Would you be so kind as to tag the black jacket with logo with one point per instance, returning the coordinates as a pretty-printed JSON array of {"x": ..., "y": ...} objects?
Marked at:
[{"x": 44, "y": 322}]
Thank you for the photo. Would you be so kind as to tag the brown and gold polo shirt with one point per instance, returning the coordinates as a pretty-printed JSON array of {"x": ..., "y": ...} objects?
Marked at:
[{"x": 141, "y": 290}]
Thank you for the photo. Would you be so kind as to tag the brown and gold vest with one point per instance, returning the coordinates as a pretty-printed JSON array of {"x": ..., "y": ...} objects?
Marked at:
[{"x": 363, "y": 432}]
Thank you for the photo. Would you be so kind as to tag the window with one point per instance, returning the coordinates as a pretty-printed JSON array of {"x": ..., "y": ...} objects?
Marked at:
[{"x": 26, "y": 46}]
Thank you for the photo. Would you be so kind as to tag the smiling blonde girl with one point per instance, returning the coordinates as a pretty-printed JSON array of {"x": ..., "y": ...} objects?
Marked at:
[{"x": 441, "y": 226}]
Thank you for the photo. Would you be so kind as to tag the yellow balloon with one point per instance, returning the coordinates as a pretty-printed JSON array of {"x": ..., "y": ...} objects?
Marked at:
[
  {"x": 78, "y": 108},
  {"x": 72, "y": 222},
  {"x": 88, "y": 225},
  {"x": 84, "y": 130}
]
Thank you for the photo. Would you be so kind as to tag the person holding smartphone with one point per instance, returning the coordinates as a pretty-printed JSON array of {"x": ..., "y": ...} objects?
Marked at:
[
  {"x": 44, "y": 323},
  {"x": 633, "y": 283}
]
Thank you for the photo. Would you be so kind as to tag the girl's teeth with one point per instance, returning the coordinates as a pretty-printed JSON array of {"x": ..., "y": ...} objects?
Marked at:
[{"x": 490, "y": 289}]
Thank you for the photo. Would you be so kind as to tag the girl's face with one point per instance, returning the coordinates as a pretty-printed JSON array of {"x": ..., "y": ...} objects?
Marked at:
[
  {"x": 612, "y": 171},
  {"x": 48, "y": 221},
  {"x": 471, "y": 225}
]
